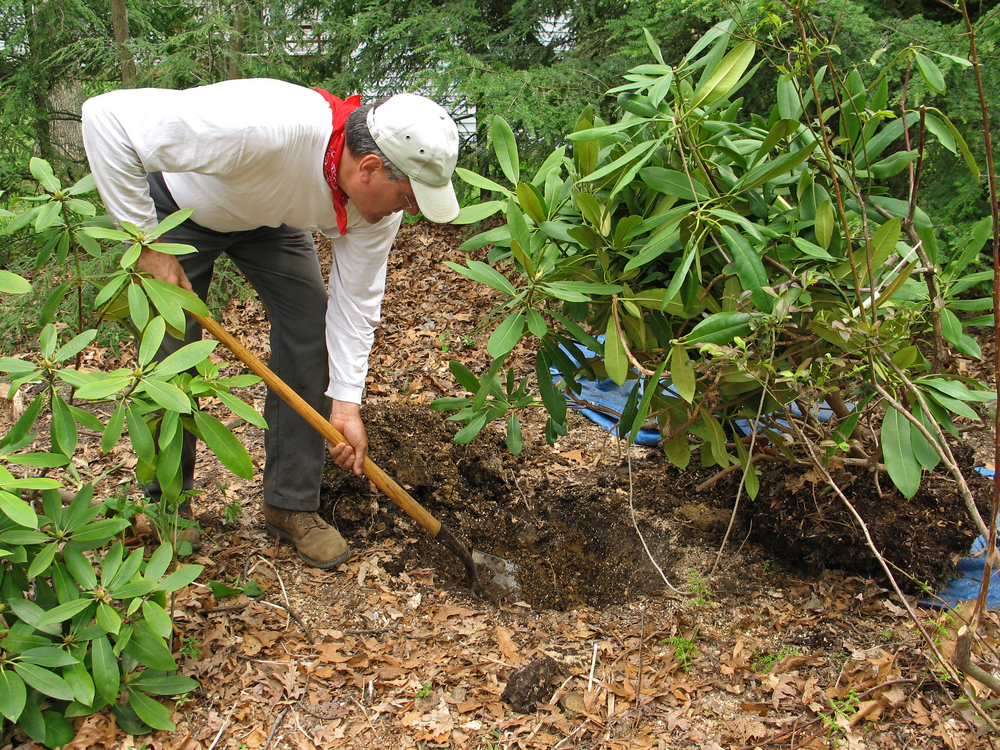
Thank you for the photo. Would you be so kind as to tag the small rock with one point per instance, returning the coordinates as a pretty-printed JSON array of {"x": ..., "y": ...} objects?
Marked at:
[
  {"x": 573, "y": 702},
  {"x": 532, "y": 684}
]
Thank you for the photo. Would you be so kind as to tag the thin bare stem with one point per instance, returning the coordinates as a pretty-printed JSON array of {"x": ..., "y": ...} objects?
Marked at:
[
  {"x": 915, "y": 172},
  {"x": 222, "y": 729},
  {"x": 963, "y": 658},
  {"x": 743, "y": 479},
  {"x": 624, "y": 339},
  {"x": 943, "y": 663},
  {"x": 635, "y": 524},
  {"x": 991, "y": 545},
  {"x": 930, "y": 279}
]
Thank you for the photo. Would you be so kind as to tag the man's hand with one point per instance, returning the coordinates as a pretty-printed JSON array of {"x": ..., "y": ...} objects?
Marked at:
[
  {"x": 164, "y": 267},
  {"x": 346, "y": 418}
]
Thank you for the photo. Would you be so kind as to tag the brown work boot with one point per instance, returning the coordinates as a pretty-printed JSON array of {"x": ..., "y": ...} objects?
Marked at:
[{"x": 316, "y": 541}]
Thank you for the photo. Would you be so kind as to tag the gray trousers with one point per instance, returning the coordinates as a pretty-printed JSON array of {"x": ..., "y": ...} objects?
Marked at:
[{"x": 282, "y": 266}]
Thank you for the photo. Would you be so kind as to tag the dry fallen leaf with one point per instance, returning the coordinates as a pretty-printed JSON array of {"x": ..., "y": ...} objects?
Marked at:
[
  {"x": 782, "y": 686},
  {"x": 329, "y": 653},
  {"x": 452, "y": 610},
  {"x": 95, "y": 731},
  {"x": 186, "y": 742},
  {"x": 507, "y": 646},
  {"x": 251, "y": 644}
]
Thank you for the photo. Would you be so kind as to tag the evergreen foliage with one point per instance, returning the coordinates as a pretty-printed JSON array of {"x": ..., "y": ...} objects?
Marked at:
[
  {"x": 736, "y": 269},
  {"x": 536, "y": 64},
  {"x": 86, "y": 623}
]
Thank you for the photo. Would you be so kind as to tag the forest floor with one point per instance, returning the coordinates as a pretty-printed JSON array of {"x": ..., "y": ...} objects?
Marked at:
[{"x": 634, "y": 624}]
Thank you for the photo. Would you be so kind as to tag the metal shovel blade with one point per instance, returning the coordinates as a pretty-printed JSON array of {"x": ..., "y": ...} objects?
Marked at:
[{"x": 501, "y": 573}]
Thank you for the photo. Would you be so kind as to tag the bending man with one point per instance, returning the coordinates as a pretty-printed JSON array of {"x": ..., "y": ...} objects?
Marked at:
[{"x": 264, "y": 164}]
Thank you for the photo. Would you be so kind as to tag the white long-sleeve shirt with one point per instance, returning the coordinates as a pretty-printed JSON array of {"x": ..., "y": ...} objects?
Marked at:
[{"x": 246, "y": 154}]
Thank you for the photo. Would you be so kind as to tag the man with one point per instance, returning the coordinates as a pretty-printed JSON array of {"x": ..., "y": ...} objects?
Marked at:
[{"x": 264, "y": 164}]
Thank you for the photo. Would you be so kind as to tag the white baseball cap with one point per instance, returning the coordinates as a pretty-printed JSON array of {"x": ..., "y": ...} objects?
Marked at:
[{"x": 419, "y": 137}]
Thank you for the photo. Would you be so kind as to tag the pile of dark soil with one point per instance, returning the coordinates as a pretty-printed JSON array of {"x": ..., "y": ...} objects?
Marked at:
[
  {"x": 571, "y": 529},
  {"x": 798, "y": 517}
]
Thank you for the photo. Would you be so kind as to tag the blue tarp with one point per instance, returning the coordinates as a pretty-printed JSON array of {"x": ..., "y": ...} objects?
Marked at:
[
  {"x": 966, "y": 586},
  {"x": 611, "y": 396},
  {"x": 970, "y": 577},
  {"x": 607, "y": 394}
]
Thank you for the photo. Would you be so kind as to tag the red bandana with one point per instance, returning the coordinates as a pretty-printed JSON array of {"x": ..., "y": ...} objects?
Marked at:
[{"x": 331, "y": 161}]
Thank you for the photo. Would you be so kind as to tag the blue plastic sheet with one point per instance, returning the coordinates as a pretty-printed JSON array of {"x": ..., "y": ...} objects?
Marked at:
[
  {"x": 966, "y": 585},
  {"x": 611, "y": 397},
  {"x": 607, "y": 395},
  {"x": 970, "y": 576}
]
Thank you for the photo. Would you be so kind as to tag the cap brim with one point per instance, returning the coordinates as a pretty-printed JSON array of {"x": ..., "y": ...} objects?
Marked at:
[{"x": 439, "y": 204}]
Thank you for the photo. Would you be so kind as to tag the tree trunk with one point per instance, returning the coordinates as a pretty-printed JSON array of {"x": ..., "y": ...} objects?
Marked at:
[
  {"x": 38, "y": 85},
  {"x": 119, "y": 24},
  {"x": 241, "y": 13}
]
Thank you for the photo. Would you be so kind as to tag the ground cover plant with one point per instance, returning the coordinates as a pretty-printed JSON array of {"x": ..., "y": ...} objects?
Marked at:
[{"x": 87, "y": 626}]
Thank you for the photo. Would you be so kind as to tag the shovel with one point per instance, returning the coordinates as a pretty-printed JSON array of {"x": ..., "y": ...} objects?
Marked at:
[{"x": 502, "y": 572}]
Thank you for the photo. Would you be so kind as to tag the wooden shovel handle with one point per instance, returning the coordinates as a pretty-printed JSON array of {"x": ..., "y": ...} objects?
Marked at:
[{"x": 382, "y": 480}]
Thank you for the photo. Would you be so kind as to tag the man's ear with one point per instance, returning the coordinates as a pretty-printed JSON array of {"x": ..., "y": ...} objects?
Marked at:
[{"x": 368, "y": 165}]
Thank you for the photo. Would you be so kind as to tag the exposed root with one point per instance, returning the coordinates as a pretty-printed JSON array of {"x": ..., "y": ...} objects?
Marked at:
[{"x": 675, "y": 593}]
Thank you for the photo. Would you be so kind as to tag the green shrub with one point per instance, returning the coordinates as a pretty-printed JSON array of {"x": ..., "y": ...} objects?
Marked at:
[
  {"x": 734, "y": 267},
  {"x": 86, "y": 625}
]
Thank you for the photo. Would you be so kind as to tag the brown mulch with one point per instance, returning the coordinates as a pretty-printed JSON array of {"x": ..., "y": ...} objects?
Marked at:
[{"x": 770, "y": 649}]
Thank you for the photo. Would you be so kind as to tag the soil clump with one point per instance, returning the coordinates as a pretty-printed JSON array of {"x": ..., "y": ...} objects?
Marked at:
[{"x": 797, "y": 517}]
